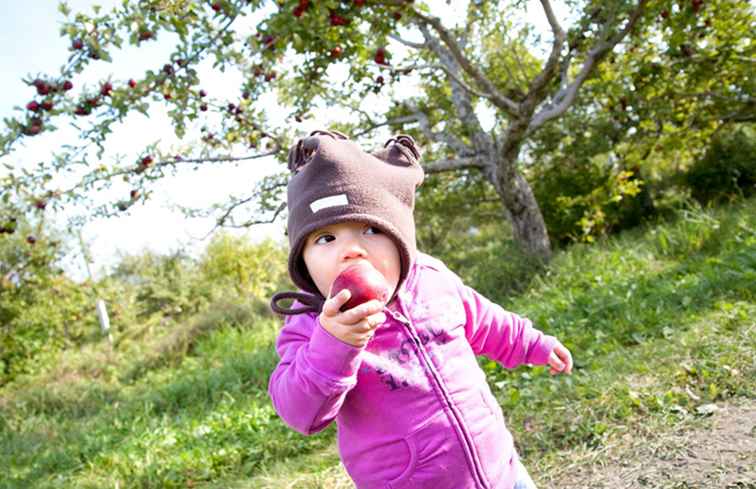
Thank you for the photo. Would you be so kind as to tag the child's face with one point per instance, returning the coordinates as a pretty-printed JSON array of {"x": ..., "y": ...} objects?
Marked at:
[{"x": 331, "y": 249}]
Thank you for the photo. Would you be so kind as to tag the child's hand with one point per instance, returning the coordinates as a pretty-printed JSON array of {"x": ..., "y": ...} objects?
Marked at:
[
  {"x": 354, "y": 326},
  {"x": 560, "y": 360}
]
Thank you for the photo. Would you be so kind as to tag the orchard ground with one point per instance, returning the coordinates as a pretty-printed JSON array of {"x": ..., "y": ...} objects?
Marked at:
[
  {"x": 715, "y": 449},
  {"x": 660, "y": 320}
]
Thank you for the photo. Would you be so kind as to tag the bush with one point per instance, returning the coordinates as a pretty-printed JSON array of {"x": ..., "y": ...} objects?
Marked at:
[
  {"x": 728, "y": 168},
  {"x": 581, "y": 201},
  {"x": 235, "y": 266},
  {"x": 40, "y": 309},
  {"x": 166, "y": 285}
]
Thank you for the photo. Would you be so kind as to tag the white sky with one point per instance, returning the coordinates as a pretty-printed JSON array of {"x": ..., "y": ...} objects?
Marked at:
[{"x": 31, "y": 45}]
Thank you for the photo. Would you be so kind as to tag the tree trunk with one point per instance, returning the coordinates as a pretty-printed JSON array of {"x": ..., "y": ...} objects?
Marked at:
[
  {"x": 525, "y": 215},
  {"x": 517, "y": 196}
]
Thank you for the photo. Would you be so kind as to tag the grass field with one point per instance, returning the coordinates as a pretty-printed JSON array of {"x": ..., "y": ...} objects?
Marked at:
[{"x": 660, "y": 321}]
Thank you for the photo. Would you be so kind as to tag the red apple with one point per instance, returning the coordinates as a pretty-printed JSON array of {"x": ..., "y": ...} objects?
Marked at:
[
  {"x": 380, "y": 56},
  {"x": 364, "y": 282},
  {"x": 106, "y": 89}
]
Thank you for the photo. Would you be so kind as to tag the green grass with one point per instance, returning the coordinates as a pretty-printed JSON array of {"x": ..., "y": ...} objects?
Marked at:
[{"x": 659, "y": 320}]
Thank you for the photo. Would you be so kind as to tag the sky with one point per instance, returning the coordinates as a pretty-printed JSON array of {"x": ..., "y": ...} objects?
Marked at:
[{"x": 31, "y": 45}]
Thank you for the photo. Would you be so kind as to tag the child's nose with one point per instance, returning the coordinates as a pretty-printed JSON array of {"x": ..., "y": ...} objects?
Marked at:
[{"x": 354, "y": 249}]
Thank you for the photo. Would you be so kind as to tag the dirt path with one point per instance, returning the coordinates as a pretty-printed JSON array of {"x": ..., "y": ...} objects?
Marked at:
[{"x": 717, "y": 452}]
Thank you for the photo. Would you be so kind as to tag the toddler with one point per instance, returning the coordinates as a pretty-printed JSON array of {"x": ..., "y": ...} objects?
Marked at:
[{"x": 401, "y": 379}]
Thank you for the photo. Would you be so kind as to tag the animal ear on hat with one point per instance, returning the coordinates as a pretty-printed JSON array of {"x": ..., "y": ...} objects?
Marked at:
[
  {"x": 302, "y": 151},
  {"x": 400, "y": 150}
]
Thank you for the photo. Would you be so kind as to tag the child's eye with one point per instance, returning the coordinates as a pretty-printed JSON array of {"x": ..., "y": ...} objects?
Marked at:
[
  {"x": 324, "y": 238},
  {"x": 372, "y": 230}
]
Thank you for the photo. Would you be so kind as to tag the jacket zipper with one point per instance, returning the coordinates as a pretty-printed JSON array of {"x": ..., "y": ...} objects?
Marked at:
[{"x": 469, "y": 446}]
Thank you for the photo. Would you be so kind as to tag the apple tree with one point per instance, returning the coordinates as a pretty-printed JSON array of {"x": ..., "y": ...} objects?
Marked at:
[{"x": 427, "y": 68}]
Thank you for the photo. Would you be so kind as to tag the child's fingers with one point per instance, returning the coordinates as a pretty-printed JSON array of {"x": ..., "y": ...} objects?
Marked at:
[
  {"x": 555, "y": 363},
  {"x": 332, "y": 306},
  {"x": 566, "y": 358},
  {"x": 358, "y": 313},
  {"x": 375, "y": 320}
]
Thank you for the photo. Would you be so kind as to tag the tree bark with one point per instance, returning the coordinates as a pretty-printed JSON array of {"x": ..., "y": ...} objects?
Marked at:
[{"x": 517, "y": 196}]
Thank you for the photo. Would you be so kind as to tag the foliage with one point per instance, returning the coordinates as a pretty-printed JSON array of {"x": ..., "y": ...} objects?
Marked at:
[
  {"x": 581, "y": 201},
  {"x": 251, "y": 270},
  {"x": 38, "y": 304},
  {"x": 658, "y": 319},
  {"x": 727, "y": 170},
  {"x": 44, "y": 312},
  {"x": 651, "y": 109},
  {"x": 362, "y": 57},
  {"x": 168, "y": 285}
]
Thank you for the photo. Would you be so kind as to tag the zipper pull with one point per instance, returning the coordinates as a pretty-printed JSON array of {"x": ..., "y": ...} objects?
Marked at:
[{"x": 396, "y": 315}]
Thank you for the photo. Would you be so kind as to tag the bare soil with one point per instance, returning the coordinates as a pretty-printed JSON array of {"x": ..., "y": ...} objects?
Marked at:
[{"x": 716, "y": 448}]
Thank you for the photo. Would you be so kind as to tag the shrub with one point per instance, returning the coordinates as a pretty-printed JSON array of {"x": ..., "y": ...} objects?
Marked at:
[
  {"x": 581, "y": 201},
  {"x": 728, "y": 168},
  {"x": 234, "y": 265}
]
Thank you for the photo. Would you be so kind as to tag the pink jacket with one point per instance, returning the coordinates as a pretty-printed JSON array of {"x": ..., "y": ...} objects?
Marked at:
[{"x": 413, "y": 407}]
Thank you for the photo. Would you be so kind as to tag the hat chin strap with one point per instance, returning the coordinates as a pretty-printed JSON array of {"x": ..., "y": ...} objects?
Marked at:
[{"x": 311, "y": 303}]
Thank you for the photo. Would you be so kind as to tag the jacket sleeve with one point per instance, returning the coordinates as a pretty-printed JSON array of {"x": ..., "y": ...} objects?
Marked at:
[
  {"x": 313, "y": 376},
  {"x": 501, "y": 335}
]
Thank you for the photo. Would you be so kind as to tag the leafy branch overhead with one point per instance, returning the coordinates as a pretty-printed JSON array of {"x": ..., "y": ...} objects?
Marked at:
[{"x": 425, "y": 68}]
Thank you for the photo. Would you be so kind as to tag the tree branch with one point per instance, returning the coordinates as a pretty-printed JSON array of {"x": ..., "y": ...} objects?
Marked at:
[
  {"x": 461, "y": 101},
  {"x": 410, "y": 44},
  {"x": 539, "y": 83},
  {"x": 491, "y": 92},
  {"x": 595, "y": 55},
  {"x": 445, "y": 165}
]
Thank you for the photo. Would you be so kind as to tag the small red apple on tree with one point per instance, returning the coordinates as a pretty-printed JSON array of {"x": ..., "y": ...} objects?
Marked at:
[
  {"x": 42, "y": 87},
  {"x": 364, "y": 283},
  {"x": 380, "y": 56},
  {"x": 337, "y": 20},
  {"x": 106, "y": 89}
]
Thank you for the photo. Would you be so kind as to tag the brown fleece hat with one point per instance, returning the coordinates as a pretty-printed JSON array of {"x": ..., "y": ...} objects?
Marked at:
[{"x": 333, "y": 180}]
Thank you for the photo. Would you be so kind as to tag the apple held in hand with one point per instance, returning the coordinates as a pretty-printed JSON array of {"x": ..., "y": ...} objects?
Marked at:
[{"x": 364, "y": 282}]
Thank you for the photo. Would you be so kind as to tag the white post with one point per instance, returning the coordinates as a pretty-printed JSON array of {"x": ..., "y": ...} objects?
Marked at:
[
  {"x": 102, "y": 315},
  {"x": 102, "y": 310}
]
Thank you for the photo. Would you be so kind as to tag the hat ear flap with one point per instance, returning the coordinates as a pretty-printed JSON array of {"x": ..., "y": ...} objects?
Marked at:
[
  {"x": 400, "y": 150},
  {"x": 295, "y": 156},
  {"x": 302, "y": 151}
]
